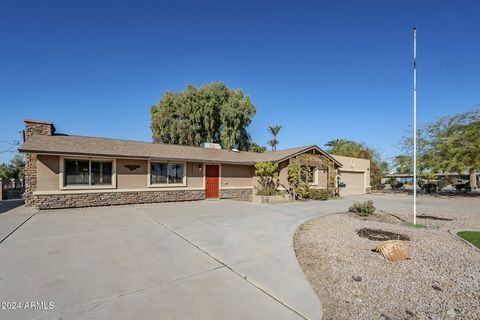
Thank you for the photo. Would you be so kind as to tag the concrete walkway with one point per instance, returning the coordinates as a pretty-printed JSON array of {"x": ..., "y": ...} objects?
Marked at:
[{"x": 192, "y": 260}]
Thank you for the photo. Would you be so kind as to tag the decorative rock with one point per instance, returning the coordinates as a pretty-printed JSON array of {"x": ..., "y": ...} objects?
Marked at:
[
  {"x": 410, "y": 313},
  {"x": 451, "y": 313},
  {"x": 394, "y": 250}
]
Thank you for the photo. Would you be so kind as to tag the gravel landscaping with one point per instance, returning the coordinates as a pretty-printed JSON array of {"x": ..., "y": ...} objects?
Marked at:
[{"x": 440, "y": 281}]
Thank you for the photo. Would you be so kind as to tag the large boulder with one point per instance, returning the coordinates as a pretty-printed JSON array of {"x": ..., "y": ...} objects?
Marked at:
[{"x": 394, "y": 250}]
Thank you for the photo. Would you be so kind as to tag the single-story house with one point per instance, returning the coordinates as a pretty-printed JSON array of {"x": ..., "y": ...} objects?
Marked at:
[{"x": 63, "y": 171}]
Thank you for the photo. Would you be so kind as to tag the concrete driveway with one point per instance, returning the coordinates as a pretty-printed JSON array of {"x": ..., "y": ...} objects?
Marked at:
[{"x": 191, "y": 260}]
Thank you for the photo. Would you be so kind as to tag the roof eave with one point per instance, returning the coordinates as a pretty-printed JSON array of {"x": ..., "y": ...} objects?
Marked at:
[
  {"x": 308, "y": 149},
  {"x": 100, "y": 155}
]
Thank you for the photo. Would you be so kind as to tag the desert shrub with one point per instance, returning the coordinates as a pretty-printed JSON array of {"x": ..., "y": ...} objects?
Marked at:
[
  {"x": 268, "y": 178},
  {"x": 395, "y": 184},
  {"x": 443, "y": 182},
  {"x": 321, "y": 194},
  {"x": 364, "y": 209},
  {"x": 267, "y": 191}
]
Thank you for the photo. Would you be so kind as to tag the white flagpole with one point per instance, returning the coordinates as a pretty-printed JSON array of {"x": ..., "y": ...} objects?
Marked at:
[{"x": 414, "y": 126}]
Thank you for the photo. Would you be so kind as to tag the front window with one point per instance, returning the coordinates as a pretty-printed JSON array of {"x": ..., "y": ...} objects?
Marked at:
[
  {"x": 166, "y": 173},
  {"x": 88, "y": 173},
  {"x": 308, "y": 174}
]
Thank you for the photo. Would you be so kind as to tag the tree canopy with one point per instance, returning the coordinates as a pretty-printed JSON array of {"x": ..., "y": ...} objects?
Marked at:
[
  {"x": 256, "y": 148},
  {"x": 449, "y": 144},
  {"x": 211, "y": 113},
  {"x": 349, "y": 148},
  {"x": 13, "y": 170},
  {"x": 403, "y": 164}
]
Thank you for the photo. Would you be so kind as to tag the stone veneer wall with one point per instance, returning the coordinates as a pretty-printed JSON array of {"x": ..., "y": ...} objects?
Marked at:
[
  {"x": 78, "y": 200},
  {"x": 30, "y": 178},
  {"x": 38, "y": 128},
  {"x": 244, "y": 194},
  {"x": 33, "y": 128}
]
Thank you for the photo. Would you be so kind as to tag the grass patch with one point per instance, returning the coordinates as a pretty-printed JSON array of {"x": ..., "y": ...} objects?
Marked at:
[
  {"x": 411, "y": 225},
  {"x": 471, "y": 236}
]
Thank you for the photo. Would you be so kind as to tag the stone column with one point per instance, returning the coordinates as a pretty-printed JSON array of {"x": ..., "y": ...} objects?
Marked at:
[
  {"x": 30, "y": 178},
  {"x": 33, "y": 128}
]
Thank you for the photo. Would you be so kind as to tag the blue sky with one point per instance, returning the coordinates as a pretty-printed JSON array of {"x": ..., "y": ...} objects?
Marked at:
[{"x": 321, "y": 69}]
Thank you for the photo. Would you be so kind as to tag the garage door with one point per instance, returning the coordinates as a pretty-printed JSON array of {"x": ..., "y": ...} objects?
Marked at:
[{"x": 354, "y": 183}]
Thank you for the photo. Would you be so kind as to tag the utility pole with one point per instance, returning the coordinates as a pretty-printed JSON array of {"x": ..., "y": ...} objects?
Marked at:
[{"x": 414, "y": 125}]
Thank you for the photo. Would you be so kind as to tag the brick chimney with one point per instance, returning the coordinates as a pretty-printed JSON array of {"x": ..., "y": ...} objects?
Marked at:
[{"x": 37, "y": 127}]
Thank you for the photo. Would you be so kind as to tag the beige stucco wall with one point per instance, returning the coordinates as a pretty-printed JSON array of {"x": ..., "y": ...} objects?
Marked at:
[
  {"x": 236, "y": 175},
  {"x": 322, "y": 176},
  {"x": 283, "y": 173},
  {"x": 355, "y": 165},
  {"x": 131, "y": 179},
  {"x": 195, "y": 172},
  {"x": 47, "y": 173}
]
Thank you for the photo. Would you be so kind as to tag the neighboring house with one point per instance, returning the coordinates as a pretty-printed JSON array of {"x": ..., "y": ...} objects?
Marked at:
[
  {"x": 407, "y": 178},
  {"x": 63, "y": 171}
]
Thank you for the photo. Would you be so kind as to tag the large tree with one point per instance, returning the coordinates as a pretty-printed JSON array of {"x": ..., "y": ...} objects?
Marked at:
[
  {"x": 403, "y": 164},
  {"x": 211, "y": 113},
  {"x": 450, "y": 144},
  {"x": 256, "y": 148},
  {"x": 349, "y": 148},
  {"x": 13, "y": 170}
]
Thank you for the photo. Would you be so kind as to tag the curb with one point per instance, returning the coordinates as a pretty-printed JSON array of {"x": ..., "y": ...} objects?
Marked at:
[{"x": 454, "y": 234}]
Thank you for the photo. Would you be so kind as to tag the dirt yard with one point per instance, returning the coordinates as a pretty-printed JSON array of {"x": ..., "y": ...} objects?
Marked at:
[{"x": 440, "y": 281}]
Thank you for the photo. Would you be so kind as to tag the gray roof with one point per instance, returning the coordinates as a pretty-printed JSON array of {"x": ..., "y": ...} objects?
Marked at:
[{"x": 92, "y": 146}]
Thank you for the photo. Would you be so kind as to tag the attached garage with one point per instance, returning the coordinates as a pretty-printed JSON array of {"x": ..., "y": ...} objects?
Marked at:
[
  {"x": 354, "y": 182},
  {"x": 355, "y": 174}
]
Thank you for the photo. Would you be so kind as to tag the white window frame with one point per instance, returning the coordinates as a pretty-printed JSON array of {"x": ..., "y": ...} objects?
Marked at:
[
  {"x": 166, "y": 185},
  {"x": 62, "y": 185},
  {"x": 314, "y": 176}
]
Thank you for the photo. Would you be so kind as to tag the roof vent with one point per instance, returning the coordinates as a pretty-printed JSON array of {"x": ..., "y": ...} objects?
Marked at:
[{"x": 210, "y": 145}]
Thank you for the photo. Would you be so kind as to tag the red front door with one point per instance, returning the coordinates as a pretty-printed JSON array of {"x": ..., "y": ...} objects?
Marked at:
[{"x": 212, "y": 181}]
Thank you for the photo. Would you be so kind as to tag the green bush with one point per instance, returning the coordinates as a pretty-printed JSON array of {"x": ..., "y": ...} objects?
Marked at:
[
  {"x": 321, "y": 194},
  {"x": 267, "y": 191},
  {"x": 365, "y": 208},
  {"x": 394, "y": 184},
  {"x": 267, "y": 173}
]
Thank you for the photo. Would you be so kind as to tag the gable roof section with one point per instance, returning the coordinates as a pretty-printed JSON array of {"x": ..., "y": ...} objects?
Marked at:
[
  {"x": 282, "y": 155},
  {"x": 104, "y": 147}
]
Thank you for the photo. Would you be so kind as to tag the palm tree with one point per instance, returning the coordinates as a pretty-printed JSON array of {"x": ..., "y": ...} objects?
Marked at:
[
  {"x": 274, "y": 130},
  {"x": 404, "y": 163},
  {"x": 273, "y": 143}
]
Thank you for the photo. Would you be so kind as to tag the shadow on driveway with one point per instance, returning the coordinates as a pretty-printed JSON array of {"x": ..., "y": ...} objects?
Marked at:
[{"x": 7, "y": 205}]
